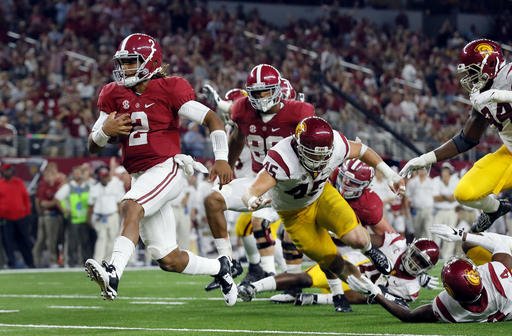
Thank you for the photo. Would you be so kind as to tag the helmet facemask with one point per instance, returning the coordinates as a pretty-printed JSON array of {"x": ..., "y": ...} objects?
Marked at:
[
  {"x": 474, "y": 79},
  {"x": 315, "y": 159},
  {"x": 264, "y": 104},
  {"x": 416, "y": 261},
  {"x": 350, "y": 186},
  {"x": 136, "y": 71}
]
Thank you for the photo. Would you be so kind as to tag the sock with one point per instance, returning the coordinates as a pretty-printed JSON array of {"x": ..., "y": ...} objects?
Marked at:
[
  {"x": 278, "y": 256},
  {"x": 368, "y": 247},
  {"x": 121, "y": 253},
  {"x": 265, "y": 284},
  {"x": 268, "y": 265},
  {"x": 324, "y": 299},
  {"x": 293, "y": 268},
  {"x": 201, "y": 265},
  {"x": 335, "y": 286},
  {"x": 253, "y": 255},
  {"x": 223, "y": 246},
  {"x": 487, "y": 204}
]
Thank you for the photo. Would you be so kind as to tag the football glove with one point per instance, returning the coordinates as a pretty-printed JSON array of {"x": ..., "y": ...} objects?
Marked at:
[
  {"x": 419, "y": 162},
  {"x": 428, "y": 281},
  {"x": 447, "y": 233},
  {"x": 189, "y": 165},
  {"x": 364, "y": 286}
]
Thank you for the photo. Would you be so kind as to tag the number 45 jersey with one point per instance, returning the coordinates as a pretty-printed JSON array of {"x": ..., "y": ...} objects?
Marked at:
[
  {"x": 261, "y": 135},
  {"x": 154, "y": 113},
  {"x": 296, "y": 187},
  {"x": 500, "y": 114}
]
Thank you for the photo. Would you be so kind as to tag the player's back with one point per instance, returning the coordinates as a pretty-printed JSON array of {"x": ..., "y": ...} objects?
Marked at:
[
  {"x": 368, "y": 207},
  {"x": 262, "y": 135},
  {"x": 154, "y": 114}
]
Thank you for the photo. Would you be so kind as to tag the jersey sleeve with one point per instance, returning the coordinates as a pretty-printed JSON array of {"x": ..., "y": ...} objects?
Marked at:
[
  {"x": 105, "y": 99},
  {"x": 307, "y": 111},
  {"x": 180, "y": 91},
  {"x": 342, "y": 145},
  {"x": 501, "y": 278},
  {"x": 375, "y": 207},
  {"x": 237, "y": 108},
  {"x": 276, "y": 166}
]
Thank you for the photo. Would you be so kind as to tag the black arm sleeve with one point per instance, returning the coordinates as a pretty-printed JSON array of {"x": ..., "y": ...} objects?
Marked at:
[{"x": 463, "y": 143}]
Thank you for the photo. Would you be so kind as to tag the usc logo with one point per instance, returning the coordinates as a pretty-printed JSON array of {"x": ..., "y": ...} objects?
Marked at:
[
  {"x": 484, "y": 49},
  {"x": 472, "y": 277},
  {"x": 301, "y": 127}
]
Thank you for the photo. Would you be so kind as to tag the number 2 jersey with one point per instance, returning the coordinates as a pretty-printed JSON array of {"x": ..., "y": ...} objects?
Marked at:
[
  {"x": 494, "y": 306},
  {"x": 296, "y": 187},
  {"x": 154, "y": 113},
  {"x": 260, "y": 136}
]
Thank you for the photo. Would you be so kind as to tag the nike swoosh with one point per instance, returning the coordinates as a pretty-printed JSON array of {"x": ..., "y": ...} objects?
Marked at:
[
  {"x": 148, "y": 105},
  {"x": 276, "y": 129}
]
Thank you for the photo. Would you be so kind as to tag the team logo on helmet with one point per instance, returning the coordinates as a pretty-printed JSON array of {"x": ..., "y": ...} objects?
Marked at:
[
  {"x": 301, "y": 127},
  {"x": 472, "y": 277},
  {"x": 484, "y": 49}
]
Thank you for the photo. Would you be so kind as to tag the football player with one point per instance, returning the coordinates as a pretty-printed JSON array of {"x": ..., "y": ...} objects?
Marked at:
[
  {"x": 142, "y": 109},
  {"x": 488, "y": 79},
  {"x": 472, "y": 293},
  {"x": 295, "y": 171},
  {"x": 261, "y": 120}
]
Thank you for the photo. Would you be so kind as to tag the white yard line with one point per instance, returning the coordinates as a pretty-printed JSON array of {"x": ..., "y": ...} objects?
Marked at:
[
  {"x": 185, "y": 330},
  {"x": 75, "y": 307},
  {"x": 9, "y": 311},
  {"x": 77, "y": 296},
  {"x": 157, "y": 302}
]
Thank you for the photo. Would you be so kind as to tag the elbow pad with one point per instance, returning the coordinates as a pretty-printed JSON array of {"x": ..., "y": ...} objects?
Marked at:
[{"x": 462, "y": 143}]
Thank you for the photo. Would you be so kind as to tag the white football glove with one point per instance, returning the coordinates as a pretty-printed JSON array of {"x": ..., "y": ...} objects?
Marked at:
[
  {"x": 419, "y": 162},
  {"x": 447, "y": 233},
  {"x": 211, "y": 94},
  {"x": 428, "y": 281},
  {"x": 364, "y": 286},
  {"x": 188, "y": 164}
]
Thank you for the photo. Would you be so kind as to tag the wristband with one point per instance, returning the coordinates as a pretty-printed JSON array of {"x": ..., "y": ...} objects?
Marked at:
[
  {"x": 99, "y": 137},
  {"x": 363, "y": 150},
  {"x": 386, "y": 170},
  {"x": 220, "y": 145},
  {"x": 430, "y": 157}
]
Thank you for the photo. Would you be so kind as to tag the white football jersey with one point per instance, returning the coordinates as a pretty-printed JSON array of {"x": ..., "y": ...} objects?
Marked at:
[
  {"x": 495, "y": 305},
  {"x": 296, "y": 187},
  {"x": 500, "y": 114}
]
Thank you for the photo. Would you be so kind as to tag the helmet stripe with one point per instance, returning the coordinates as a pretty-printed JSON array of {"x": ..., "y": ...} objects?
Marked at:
[
  {"x": 258, "y": 73},
  {"x": 123, "y": 44}
]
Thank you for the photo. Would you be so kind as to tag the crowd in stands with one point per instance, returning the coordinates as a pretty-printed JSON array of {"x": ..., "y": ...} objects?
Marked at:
[{"x": 60, "y": 55}]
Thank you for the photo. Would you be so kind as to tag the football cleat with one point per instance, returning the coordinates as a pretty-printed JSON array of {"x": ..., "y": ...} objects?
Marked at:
[
  {"x": 486, "y": 219},
  {"x": 246, "y": 292},
  {"x": 105, "y": 275},
  {"x": 379, "y": 260},
  {"x": 254, "y": 274},
  {"x": 236, "y": 270},
  {"x": 282, "y": 298},
  {"x": 341, "y": 304},
  {"x": 305, "y": 299},
  {"x": 227, "y": 285}
]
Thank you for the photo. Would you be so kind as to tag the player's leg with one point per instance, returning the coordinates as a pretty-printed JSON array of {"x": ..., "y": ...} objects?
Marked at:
[
  {"x": 261, "y": 221},
  {"x": 281, "y": 281},
  {"x": 489, "y": 175}
]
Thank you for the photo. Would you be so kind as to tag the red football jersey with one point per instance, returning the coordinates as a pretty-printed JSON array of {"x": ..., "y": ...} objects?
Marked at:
[
  {"x": 368, "y": 207},
  {"x": 154, "y": 113},
  {"x": 260, "y": 136}
]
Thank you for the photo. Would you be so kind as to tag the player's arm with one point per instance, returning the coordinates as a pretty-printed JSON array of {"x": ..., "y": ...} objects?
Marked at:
[
  {"x": 468, "y": 138},
  {"x": 382, "y": 227},
  {"x": 371, "y": 158},
  {"x": 236, "y": 145},
  {"x": 108, "y": 126},
  {"x": 253, "y": 196},
  {"x": 423, "y": 313}
]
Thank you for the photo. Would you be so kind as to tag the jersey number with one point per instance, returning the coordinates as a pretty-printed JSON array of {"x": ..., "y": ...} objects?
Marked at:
[
  {"x": 302, "y": 189},
  {"x": 259, "y": 145},
  {"x": 503, "y": 113},
  {"x": 139, "y": 134}
]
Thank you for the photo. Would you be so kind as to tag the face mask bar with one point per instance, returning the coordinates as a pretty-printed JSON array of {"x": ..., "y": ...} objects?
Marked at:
[
  {"x": 416, "y": 261},
  {"x": 314, "y": 159},
  {"x": 264, "y": 104}
]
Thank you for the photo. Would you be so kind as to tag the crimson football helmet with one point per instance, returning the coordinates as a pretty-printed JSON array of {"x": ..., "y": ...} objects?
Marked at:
[
  {"x": 137, "y": 59},
  {"x": 480, "y": 61},
  {"x": 314, "y": 140},
  {"x": 462, "y": 280},
  {"x": 263, "y": 77},
  {"x": 287, "y": 90},
  {"x": 235, "y": 94},
  {"x": 421, "y": 255},
  {"x": 354, "y": 176}
]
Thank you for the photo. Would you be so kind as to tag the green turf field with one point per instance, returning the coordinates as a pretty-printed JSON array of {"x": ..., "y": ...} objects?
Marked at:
[{"x": 153, "y": 302}]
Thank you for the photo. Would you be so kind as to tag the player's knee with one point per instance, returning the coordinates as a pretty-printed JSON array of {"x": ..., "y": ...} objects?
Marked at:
[
  {"x": 304, "y": 280},
  {"x": 263, "y": 235},
  {"x": 290, "y": 251},
  {"x": 175, "y": 261},
  {"x": 214, "y": 202},
  {"x": 333, "y": 264},
  {"x": 131, "y": 209},
  {"x": 464, "y": 193}
]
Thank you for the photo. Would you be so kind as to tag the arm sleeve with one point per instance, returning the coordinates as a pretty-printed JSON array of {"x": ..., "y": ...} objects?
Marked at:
[
  {"x": 99, "y": 122},
  {"x": 194, "y": 110}
]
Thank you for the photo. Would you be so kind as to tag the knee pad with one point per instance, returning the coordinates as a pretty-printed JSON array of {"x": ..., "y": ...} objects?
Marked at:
[
  {"x": 290, "y": 251},
  {"x": 264, "y": 232}
]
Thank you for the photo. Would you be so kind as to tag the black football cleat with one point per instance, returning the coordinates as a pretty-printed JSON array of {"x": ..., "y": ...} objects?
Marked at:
[
  {"x": 379, "y": 260},
  {"x": 341, "y": 304},
  {"x": 236, "y": 270},
  {"x": 105, "y": 275},
  {"x": 254, "y": 273},
  {"x": 486, "y": 219},
  {"x": 227, "y": 285}
]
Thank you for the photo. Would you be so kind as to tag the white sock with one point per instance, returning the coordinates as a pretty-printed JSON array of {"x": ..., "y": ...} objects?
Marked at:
[
  {"x": 201, "y": 265},
  {"x": 223, "y": 246},
  {"x": 268, "y": 265},
  {"x": 487, "y": 204},
  {"x": 324, "y": 299},
  {"x": 293, "y": 268},
  {"x": 265, "y": 284},
  {"x": 335, "y": 286},
  {"x": 121, "y": 253},
  {"x": 278, "y": 256},
  {"x": 251, "y": 249}
]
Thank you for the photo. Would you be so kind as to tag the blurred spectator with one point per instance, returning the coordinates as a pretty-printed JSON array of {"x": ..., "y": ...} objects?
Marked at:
[
  {"x": 73, "y": 200},
  {"x": 103, "y": 213},
  {"x": 8, "y": 140},
  {"x": 193, "y": 141},
  {"x": 50, "y": 218},
  {"x": 420, "y": 192},
  {"x": 14, "y": 209}
]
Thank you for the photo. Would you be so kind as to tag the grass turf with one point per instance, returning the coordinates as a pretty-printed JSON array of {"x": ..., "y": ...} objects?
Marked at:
[{"x": 153, "y": 302}]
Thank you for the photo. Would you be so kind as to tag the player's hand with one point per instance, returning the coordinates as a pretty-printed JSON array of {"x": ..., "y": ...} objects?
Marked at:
[
  {"x": 479, "y": 100},
  {"x": 223, "y": 171},
  {"x": 447, "y": 233},
  {"x": 189, "y": 165},
  {"x": 364, "y": 286},
  {"x": 419, "y": 162},
  {"x": 117, "y": 126},
  {"x": 211, "y": 94},
  {"x": 254, "y": 202},
  {"x": 428, "y": 281},
  {"x": 397, "y": 184}
]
